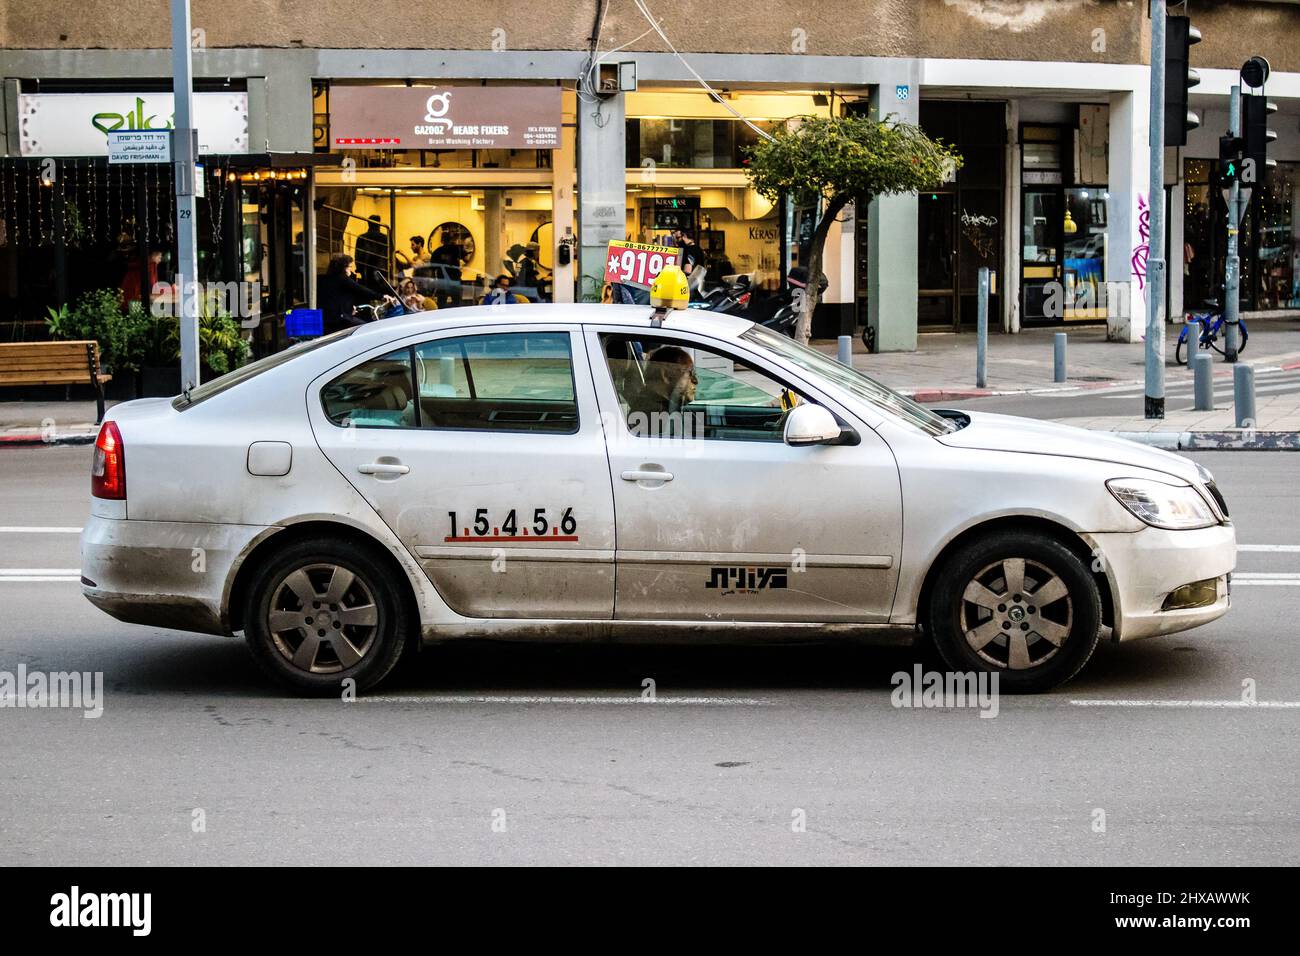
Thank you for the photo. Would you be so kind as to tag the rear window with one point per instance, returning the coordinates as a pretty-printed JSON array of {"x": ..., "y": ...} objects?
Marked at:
[{"x": 253, "y": 369}]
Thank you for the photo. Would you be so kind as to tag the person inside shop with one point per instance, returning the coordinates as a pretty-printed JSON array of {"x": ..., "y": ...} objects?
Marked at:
[
  {"x": 670, "y": 382},
  {"x": 500, "y": 293},
  {"x": 413, "y": 299},
  {"x": 451, "y": 256},
  {"x": 692, "y": 254},
  {"x": 373, "y": 250},
  {"x": 419, "y": 255},
  {"x": 131, "y": 291},
  {"x": 338, "y": 294}
]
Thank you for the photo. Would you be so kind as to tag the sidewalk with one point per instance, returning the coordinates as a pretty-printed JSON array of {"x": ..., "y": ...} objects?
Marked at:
[
  {"x": 943, "y": 369},
  {"x": 943, "y": 366}
]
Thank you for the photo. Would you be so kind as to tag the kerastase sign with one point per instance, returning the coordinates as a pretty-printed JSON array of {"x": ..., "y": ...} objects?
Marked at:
[
  {"x": 445, "y": 117},
  {"x": 78, "y": 124}
]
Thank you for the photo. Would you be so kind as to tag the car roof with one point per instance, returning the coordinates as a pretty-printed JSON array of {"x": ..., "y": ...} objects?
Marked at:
[{"x": 716, "y": 324}]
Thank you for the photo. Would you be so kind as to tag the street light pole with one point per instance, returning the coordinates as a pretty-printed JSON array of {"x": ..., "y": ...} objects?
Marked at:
[
  {"x": 1232, "y": 268},
  {"x": 1155, "y": 339},
  {"x": 184, "y": 155}
]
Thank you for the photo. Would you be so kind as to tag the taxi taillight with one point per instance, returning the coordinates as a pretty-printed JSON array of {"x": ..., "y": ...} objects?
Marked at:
[{"x": 108, "y": 472}]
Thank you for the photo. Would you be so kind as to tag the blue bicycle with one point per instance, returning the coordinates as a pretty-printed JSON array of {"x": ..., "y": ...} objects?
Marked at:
[{"x": 1211, "y": 324}]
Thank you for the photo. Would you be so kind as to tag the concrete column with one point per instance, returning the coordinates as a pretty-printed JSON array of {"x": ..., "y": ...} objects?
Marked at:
[
  {"x": 564, "y": 205},
  {"x": 1009, "y": 280},
  {"x": 891, "y": 245},
  {"x": 1129, "y": 189},
  {"x": 494, "y": 226},
  {"x": 602, "y": 184}
]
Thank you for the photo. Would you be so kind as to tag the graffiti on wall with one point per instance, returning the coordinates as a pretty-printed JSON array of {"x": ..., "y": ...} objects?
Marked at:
[{"x": 1138, "y": 260}]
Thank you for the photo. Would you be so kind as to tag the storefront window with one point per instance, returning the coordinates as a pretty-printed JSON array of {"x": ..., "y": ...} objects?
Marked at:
[
  {"x": 1269, "y": 246},
  {"x": 691, "y": 143},
  {"x": 737, "y": 230},
  {"x": 455, "y": 243}
]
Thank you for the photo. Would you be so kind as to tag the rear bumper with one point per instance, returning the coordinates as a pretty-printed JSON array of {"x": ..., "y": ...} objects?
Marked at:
[
  {"x": 163, "y": 573},
  {"x": 1145, "y": 566}
]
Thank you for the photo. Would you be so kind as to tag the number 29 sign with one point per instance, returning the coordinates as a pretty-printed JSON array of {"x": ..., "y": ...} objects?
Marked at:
[{"x": 636, "y": 264}]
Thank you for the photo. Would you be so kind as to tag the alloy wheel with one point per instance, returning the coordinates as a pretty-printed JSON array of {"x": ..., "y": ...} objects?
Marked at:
[
  {"x": 323, "y": 618},
  {"x": 1016, "y": 613}
]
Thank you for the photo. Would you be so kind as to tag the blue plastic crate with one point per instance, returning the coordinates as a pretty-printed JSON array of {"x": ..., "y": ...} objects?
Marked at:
[{"x": 304, "y": 323}]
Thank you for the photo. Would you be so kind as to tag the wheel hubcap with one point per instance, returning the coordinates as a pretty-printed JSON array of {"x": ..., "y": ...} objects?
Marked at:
[
  {"x": 323, "y": 618},
  {"x": 1016, "y": 613}
]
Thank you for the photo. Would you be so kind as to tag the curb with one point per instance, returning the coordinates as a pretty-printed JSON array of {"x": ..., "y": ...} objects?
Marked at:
[
  {"x": 34, "y": 439},
  {"x": 1215, "y": 441}
]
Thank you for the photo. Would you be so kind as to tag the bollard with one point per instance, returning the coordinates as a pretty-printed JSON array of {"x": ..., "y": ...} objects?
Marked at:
[
  {"x": 1203, "y": 382},
  {"x": 1243, "y": 395},
  {"x": 1058, "y": 358},
  {"x": 846, "y": 350},
  {"x": 982, "y": 330}
]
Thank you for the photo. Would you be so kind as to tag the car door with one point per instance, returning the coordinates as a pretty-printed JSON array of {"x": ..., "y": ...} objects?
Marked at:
[
  {"x": 716, "y": 517},
  {"x": 484, "y": 452}
]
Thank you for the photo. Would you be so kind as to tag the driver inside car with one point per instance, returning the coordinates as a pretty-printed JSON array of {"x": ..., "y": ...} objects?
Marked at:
[{"x": 670, "y": 383}]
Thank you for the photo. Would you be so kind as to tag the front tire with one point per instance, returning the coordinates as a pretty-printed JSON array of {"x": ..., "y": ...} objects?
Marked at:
[
  {"x": 1018, "y": 604},
  {"x": 320, "y": 613}
]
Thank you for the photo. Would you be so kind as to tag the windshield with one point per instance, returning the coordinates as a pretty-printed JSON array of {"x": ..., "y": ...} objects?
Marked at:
[
  {"x": 253, "y": 369},
  {"x": 867, "y": 389}
]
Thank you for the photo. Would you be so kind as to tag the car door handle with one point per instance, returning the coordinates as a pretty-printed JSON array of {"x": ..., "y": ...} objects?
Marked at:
[
  {"x": 383, "y": 468},
  {"x": 639, "y": 475}
]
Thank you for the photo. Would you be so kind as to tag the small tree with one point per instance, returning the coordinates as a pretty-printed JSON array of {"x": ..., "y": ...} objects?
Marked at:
[{"x": 839, "y": 159}]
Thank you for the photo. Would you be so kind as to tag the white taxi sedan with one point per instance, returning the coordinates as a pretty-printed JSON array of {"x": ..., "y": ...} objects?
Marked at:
[{"x": 581, "y": 472}]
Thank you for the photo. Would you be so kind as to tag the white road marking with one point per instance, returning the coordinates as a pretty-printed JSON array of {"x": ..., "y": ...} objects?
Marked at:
[
  {"x": 1200, "y": 704},
  {"x": 562, "y": 700},
  {"x": 1269, "y": 547},
  {"x": 40, "y": 571},
  {"x": 1264, "y": 578},
  {"x": 33, "y": 529}
]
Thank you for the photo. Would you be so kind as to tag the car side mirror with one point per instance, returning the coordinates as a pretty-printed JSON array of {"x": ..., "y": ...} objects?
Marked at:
[{"x": 809, "y": 424}]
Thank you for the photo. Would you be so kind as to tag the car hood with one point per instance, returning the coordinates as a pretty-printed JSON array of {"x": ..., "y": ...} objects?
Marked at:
[{"x": 1030, "y": 436}]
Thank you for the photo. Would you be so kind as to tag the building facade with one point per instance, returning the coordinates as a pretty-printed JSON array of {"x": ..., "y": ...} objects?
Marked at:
[{"x": 539, "y": 158}]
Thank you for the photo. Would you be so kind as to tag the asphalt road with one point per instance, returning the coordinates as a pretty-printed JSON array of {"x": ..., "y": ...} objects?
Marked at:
[{"x": 481, "y": 754}]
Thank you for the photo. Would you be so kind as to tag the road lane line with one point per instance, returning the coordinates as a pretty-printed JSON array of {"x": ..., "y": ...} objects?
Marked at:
[
  {"x": 563, "y": 700},
  {"x": 33, "y": 529},
  {"x": 1269, "y": 547},
  {"x": 1197, "y": 704}
]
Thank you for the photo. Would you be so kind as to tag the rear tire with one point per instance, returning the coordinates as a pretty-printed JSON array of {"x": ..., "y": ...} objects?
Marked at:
[
  {"x": 320, "y": 613},
  {"x": 1019, "y": 604}
]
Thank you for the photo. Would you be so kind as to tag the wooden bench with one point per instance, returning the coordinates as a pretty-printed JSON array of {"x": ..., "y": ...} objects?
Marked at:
[{"x": 54, "y": 363}]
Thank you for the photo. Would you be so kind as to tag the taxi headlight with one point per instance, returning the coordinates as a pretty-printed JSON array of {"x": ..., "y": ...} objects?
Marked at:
[{"x": 1176, "y": 507}]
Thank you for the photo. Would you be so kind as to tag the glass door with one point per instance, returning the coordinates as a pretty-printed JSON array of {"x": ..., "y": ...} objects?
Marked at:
[
  {"x": 1042, "y": 223},
  {"x": 937, "y": 260}
]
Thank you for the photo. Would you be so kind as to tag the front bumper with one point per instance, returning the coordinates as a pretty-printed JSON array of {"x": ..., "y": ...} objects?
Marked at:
[
  {"x": 1143, "y": 567},
  {"x": 163, "y": 573}
]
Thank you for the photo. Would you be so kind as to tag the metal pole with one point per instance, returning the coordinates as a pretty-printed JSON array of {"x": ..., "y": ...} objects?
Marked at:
[
  {"x": 1155, "y": 344},
  {"x": 846, "y": 350},
  {"x": 1243, "y": 395},
  {"x": 184, "y": 154},
  {"x": 1058, "y": 357},
  {"x": 982, "y": 330},
  {"x": 1203, "y": 381},
  {"x": 1232, "y": 272}
]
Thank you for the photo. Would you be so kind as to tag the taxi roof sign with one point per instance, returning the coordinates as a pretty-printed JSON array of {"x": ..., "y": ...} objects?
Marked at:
[{"x": 670, "y": 289}]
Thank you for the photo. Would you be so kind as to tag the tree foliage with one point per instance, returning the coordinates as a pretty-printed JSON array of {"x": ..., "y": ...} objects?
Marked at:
[{"x": 841, "y": 159}]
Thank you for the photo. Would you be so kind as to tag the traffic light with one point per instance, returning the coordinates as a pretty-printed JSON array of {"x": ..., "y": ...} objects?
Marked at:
[
  {"x": 1179, "y": 77},
  {"x": 1229, "y": 169},
  {"x": 1255, "y": 136}
]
